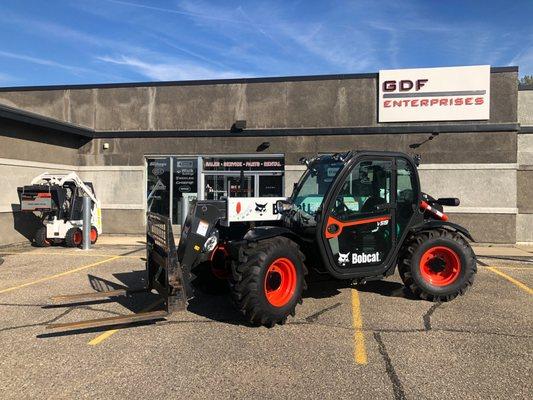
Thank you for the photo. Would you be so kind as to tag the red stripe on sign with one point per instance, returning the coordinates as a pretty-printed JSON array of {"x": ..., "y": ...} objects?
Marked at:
[{"x": 45, "y": 195}]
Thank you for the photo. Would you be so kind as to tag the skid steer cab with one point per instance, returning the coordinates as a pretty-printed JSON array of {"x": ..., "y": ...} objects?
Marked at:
[
  {"x": 57, "y": 199},
  {"x": 356, "y": 216}
]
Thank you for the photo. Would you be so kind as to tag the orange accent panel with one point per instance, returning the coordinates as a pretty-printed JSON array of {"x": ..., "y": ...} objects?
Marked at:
[{"x": 343, "y": 225}]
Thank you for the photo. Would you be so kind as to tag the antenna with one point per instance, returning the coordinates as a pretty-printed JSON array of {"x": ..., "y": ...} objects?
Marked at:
[
  {"x": 417, "y": 145},
  {"x": 417, "y": 157}
]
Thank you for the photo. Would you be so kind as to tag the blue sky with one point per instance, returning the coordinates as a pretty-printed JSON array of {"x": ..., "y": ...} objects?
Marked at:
[{"x": 97, "y": 41}]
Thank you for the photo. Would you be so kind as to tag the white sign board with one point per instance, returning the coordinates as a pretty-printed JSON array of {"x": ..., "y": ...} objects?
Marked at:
[
  {"x": 434, "y": 94},
  {"x": 246, "y": 209}
]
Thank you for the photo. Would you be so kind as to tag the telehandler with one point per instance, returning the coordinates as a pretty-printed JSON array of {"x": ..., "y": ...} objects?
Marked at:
[{"x": 356, "y": 216}]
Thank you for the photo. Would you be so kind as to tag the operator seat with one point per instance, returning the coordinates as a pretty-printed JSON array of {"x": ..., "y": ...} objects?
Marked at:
[{"x": 374, "y": 200}]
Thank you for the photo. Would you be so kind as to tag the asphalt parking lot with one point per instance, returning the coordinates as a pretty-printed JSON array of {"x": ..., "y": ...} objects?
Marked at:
[{"x": 368, "y": 342}]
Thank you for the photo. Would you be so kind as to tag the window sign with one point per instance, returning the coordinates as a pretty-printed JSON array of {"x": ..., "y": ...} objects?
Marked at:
[
  {"x": 246, "y": 164},
  {"x": 158, "y": 190},
  {"x": 185, "y": 181}
]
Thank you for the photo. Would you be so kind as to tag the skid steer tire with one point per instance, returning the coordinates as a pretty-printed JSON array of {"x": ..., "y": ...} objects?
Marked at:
[
  {"x": 40, "y": 238},
  {"x": 268, "y": 281},
  {"x": 73, "y": 237},
  {"x": 94, "y": 235},
  {"x": 437, "y": 265}
]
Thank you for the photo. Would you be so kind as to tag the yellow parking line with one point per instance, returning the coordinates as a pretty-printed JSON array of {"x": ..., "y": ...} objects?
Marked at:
[
  {"x": 47, "y": 278},
  {"x": 507, "y": 267},
  {"x": 100, "y": 338},
  {"x": 359, "y": 337},
  {"x": 522, "y": 286}
]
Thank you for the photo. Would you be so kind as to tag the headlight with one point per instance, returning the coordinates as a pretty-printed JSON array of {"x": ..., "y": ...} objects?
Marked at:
[{"x": 210, "y": 243}]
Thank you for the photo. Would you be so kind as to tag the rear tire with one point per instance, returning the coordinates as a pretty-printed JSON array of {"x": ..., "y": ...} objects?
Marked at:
[
  {"x": 40, "y": 239},
  {"x": 268, "y": 282},
  {"x": 94, "y": 235},
  {"x": 74, "y": 237},
  {"x": 437, "y": 265}
]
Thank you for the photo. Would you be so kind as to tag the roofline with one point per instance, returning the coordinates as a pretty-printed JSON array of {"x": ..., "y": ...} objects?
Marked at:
[
  {"x": 27, "y": 117},
  {"x": 358, "y": 130},
  {"x": 298, "y": 78}
]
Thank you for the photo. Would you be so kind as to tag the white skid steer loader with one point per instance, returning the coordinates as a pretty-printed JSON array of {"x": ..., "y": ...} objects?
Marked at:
[{"x": 58, "y": 199}]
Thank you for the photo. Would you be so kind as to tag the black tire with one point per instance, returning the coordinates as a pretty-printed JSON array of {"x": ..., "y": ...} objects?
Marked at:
[
  {"x": 40, "y": 238},
  {"x": 249, "y": 280},
  {"x": 207, "y": 282},
  {"x": 94, "y": 235},
  {"x": 72, "y": 238},
  {"x": 449, "y": 242}
]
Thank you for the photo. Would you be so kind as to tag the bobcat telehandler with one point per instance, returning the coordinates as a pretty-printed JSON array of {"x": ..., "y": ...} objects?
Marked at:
[{"x": 356, "y": 216}]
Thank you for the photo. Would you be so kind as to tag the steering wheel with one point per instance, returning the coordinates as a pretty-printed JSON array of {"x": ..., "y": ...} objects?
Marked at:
[{"x": 340, "y": 205}]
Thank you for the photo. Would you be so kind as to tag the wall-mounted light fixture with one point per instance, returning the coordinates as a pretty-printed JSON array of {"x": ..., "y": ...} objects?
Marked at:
[
  {"x": 239, "y": 125},
  {"x": 263, "y": 146},
  {"x": 105, "y": 146}
]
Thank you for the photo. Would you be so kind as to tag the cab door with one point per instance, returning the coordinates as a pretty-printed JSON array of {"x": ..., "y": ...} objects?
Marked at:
[{"x": 359, "y": 215}]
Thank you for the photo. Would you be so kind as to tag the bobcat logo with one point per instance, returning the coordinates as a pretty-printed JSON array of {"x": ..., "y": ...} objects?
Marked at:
[
  {"x": 260, "y": 208},
  {"x": 344, "y": 259}
]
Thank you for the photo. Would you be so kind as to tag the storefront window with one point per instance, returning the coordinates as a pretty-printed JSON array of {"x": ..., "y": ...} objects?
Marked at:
[
  {"x": 175, "y": 181},
  {"x": 270, "y": 185},
  {"x": 185, "y": 189},
  {"x": 158, "y": 190}
]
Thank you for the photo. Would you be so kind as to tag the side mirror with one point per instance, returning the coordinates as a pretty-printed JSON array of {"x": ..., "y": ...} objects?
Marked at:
[
  {"x": 283, "y": 205},
  {"x": 449, "y": 201}
]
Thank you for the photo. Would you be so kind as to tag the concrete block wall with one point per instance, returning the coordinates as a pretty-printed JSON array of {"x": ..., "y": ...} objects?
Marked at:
[{"x": 524, "y": 218}]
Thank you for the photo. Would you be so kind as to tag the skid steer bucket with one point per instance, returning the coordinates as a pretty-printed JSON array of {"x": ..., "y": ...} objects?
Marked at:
[{"x": 164, "y": 276}]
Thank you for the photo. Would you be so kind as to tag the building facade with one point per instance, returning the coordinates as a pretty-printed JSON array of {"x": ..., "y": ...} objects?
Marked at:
[{"x": 160, "y": 144}]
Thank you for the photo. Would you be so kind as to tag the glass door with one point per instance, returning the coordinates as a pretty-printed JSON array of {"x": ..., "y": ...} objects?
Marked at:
[
  {"x": 214, "y": 187},
  {"x": 241, "y": 186},
  {"x": 359, "y": 228}
]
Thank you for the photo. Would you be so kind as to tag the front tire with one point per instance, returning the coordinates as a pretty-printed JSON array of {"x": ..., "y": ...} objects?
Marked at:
[
  {"x": 40, "y": 238},
  {"x": 268, "y": 282},
  {"x": 73, "y": 237},
  {"x": 437, "y": 265}
]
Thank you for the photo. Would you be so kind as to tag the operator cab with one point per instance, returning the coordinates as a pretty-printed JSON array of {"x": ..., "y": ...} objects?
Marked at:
[{"x": 361, "y": 203}]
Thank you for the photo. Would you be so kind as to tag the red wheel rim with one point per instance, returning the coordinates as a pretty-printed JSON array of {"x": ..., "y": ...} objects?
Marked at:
[
  {"x": 440, "y": 266},
  {"x": 280, "y": 282},
  {"x": 94, "y": 234},
  {"x": 77, "y": 238},
  {"x": 219, "y": 262}
]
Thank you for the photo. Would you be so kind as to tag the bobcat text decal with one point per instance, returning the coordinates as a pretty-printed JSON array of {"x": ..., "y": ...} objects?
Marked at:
[{"x": 363, "y": 258}]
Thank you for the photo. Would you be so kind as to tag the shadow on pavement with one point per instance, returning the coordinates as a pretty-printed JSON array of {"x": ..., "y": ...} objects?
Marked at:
[{"x": 387, "y": 289}]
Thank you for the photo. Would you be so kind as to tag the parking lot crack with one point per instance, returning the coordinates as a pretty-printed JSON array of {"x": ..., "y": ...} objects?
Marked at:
[
  {"x": 397, "y": 387},
  {"x": 427, "y": 316}
]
